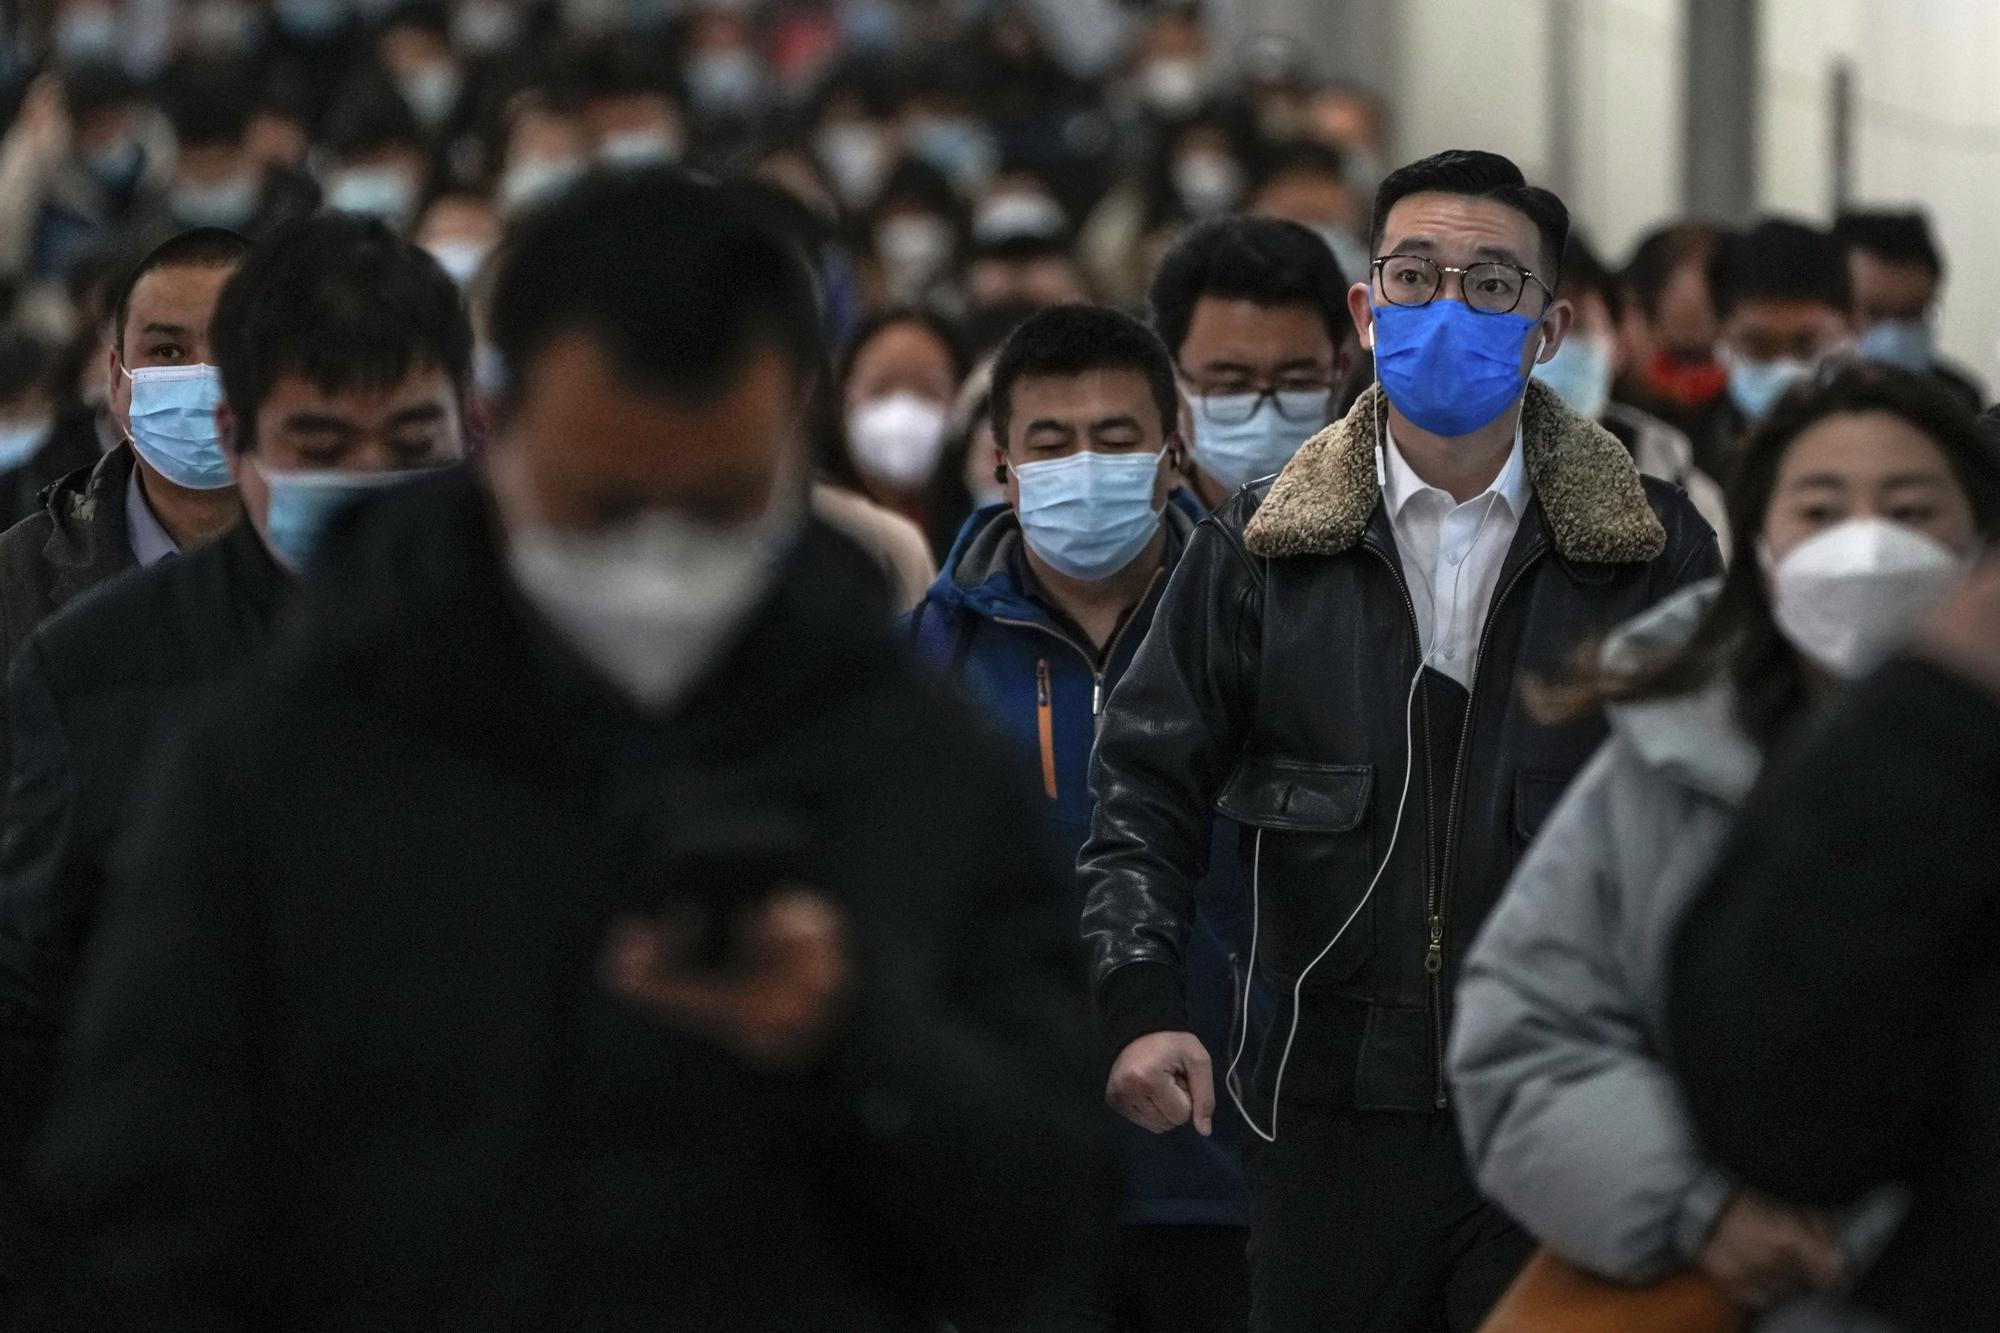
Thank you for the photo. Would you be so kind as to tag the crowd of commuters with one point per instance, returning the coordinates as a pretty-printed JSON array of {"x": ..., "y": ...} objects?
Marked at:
[{"x": 859, "y": 664}]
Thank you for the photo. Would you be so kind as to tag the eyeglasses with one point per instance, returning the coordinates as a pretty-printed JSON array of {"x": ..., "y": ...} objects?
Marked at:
[
  {"x": 1301, "y": 404},
  {"x": 1492, "y": 288}
]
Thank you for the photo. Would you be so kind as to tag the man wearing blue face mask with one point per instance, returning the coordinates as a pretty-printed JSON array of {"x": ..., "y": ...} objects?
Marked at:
[
  {"x": 1043, "y": 602},
  {"x": 1337, "y": 667},
  {"x": 306, "y": 430},
  {"x": 1782, "y": 301},
  {"x": 1255, "y": 312},
  {"x": 167, "y": 486},
  {"x": 1897, "y": 273}
]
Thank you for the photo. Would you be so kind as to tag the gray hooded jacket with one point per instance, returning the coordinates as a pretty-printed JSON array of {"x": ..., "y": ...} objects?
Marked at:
[{"x": 1572, "y": 1122}]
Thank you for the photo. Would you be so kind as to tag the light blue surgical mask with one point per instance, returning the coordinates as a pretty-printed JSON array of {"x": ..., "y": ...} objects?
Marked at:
[
  {"x": 231, "y": 203},
  {"x": 387, "y": 193},
  {"x": 20, "y": 439},
  {"x": 1581, "y": 372},
  {"x": 1909, "y": 343},
  {"x": 1449, "y": 368},
  {"x": 1241, "y": 437},
  {"x": 959, "y": 146},
  {"x": 1091, "y": 514},
  {"x": 1755, "y": 385},
  {"x": 173, "y": 424},
  {"x": 304, "y": 502}
]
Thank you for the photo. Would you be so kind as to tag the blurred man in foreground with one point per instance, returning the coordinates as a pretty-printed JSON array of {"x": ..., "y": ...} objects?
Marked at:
[{"x": 535, "y": 938}]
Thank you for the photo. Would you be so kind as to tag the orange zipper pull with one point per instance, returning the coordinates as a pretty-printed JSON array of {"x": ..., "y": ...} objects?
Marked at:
[{"x": 1045, "y": 724}]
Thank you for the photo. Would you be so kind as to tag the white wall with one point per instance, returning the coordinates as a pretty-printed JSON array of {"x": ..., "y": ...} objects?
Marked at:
[{"x": 1927, "y": 132}]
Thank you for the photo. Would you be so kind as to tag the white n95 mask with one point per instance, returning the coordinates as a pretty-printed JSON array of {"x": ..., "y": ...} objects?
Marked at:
[
  {"x": 1849, "y": 597},
  {"x": 652, "y": 600}
]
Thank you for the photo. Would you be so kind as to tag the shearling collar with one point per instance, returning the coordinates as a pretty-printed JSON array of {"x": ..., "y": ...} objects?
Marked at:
[{"x": 1588, "y": 486}]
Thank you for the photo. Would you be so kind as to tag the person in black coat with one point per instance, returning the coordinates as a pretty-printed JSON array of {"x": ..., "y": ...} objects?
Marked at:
[
  {"x": 585, "y": 915},
  {"x": 1834, "y": 997},
  {"x": 93, "y": 683}
]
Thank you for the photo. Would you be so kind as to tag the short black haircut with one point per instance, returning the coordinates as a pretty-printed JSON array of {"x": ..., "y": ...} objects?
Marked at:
[
  {"x": 203, "y": 247},
  {"x": 1661, "y": 254},
  {"x": 96, "y": 86},
  {"x": 342, "y": 301},
  {"x": 427, "y": 16},
  {"x": 209, "y": 103},
  {"x": 882, "y": 319},
  {"x": 1779, "y": 260},
  {"x": 1071, "y": 340},
  {"x": 1584, "y": 274},
  {"x": 1264, "y": 260},
  {"x": 1480, "y": 175},
  {"x": 371, "y": 117},
  {"x": 679, "y": 318},
  {"x": 1893, "y": 237},
  {"x": 1295, "y": 157}
]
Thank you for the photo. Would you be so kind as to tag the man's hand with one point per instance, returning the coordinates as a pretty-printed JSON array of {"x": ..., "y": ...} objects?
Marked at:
[
  {"x": 1161, "y": 1080},
  {"x": 774, "y": 1002},
  {"x": 1761, "y": 1252},
  {"x": 1963, "y": 634}
]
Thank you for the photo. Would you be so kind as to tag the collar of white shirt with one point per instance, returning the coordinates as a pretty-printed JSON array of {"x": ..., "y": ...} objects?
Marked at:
[{"x": 1401, "y": 484}]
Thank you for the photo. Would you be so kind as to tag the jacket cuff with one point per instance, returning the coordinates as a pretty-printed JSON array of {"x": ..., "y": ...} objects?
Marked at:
[
  {"x": 1138, "y": 999},
  {"x": 1701, "y": 1208}
]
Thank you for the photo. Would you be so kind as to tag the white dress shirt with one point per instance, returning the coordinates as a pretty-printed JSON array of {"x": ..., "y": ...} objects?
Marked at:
[{"x": 1452, "y": 553}]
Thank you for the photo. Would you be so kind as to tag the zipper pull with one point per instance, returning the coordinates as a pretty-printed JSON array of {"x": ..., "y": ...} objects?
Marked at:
[
  {"x": 1434, "y": 955},
  {"x": 1097, "y": 696}
]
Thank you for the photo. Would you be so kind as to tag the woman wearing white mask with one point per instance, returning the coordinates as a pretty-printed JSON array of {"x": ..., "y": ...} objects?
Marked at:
[
  {"x": 1863, "y": 497},
  {"x": 898, "y": 380}
]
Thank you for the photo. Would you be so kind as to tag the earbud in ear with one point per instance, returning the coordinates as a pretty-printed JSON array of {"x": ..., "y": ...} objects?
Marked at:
[
  {"x": 1000, "y": 473},
  {"x": 1368, "y": 338}
]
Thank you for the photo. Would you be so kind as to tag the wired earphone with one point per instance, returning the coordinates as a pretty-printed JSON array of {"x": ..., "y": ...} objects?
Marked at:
[{"x": 1395, "y": 834}]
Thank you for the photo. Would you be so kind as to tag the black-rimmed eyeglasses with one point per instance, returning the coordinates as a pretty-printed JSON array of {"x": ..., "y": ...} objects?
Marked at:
[{"x": 1491, "y": 288}]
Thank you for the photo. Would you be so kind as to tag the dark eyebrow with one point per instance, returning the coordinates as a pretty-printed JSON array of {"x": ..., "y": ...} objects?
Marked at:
[
  {"x": 318, "y": 421},
  {"x": 171, "y": 330},
  {"x": 1049, "y": 423},
  {"x": 1225, "y": 367},
  {"x": 1413, "y": 243},
  {"x": 1500, "y": 252},
  {"x": 1123, "y": 421},
  {"x": 419, "y": 415}
]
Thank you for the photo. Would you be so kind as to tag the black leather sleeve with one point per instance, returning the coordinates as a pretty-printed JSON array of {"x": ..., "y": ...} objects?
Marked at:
[{"x": 1171, "y": 732}]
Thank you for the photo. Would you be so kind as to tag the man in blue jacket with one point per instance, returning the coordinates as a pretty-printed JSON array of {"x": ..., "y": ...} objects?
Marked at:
[{"x": 1042, "y": 603}]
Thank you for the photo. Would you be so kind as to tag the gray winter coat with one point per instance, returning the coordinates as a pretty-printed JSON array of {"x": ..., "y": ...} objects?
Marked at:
[{"x": 1572, "y": 1121}]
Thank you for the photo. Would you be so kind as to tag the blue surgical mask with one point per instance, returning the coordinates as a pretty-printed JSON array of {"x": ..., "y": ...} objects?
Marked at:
[
  {"x": 1260, "y": 444},
  {"x": 230, "y": 203},
  {"x": 304, "y": 502},
  {"x": 1581, "y": 372},
  {"x": 1755, "y": 385},
  {"x": 19, "y": 440},
  {"x": 173, "y": 424},
  {"x": 1908, "y": 343},
  {"x": 959, "y": 146},
  {"x": 387, "y": 193},
  {"x": 1449, "y": 368},
  {"x": 1091, "y": 514}
]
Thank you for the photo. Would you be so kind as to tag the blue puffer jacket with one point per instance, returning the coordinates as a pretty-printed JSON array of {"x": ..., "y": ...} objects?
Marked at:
[{"x": 1043, "y": 685}]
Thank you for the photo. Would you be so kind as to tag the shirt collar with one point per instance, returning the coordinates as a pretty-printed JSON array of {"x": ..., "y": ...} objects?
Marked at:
[
  {"x": 1401, "y": 484},
  {"x": 150, "y": 541}
]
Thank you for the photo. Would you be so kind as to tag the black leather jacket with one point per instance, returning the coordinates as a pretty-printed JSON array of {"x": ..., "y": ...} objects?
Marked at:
[{"x": 1272, "y": 689}]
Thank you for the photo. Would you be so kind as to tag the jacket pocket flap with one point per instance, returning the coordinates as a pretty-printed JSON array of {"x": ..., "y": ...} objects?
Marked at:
[
  {"x": 1536, "y": 795},
  {"x": 1296, "y": 796}
]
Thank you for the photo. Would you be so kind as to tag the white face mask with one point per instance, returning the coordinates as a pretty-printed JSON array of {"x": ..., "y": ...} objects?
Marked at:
[
  {"x": 652, "y": 601},
  {"x": 1208, "y": 183},
  {"x": 897, "y": 439},
  {"x": 1847, "y": 598},
  {"x": 536, "y": 181},
  {"x": 857, "y": 156},
  {"x": 915, "y": 249},
  {"x": 1174, "y": 87},
  {"x": 461, "y": 259}
]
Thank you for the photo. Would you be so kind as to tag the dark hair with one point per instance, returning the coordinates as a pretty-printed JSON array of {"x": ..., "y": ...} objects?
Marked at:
[
  {"x": 1249, "y": 259},
  {"x": 615, "y": 67},
  {"x": 342, "y": 301},
  {"x": 1481, "y": 175},
  {"x": 1779, "y": 260},
  {"x": 881, "y": 321},
  {"x": 1738, "y": 640},
  {"x": 1584, "y": 274},
  {"x": 203, "y": 247},
  {"x": 1069, "y": 340},
  {"x": 1663, "y": 253},
  {"x": 372, "y": 116},
  {"x": 96, "y": 86},
  {"x": 1896, "y": 238},
  {"x": 679, "y": 318},
  {"x": 427, "y": 16},
  {"x": 25, "y": 363},
  {"x": 209, "y": 103},
  {"x": 1296, "y": 157}
]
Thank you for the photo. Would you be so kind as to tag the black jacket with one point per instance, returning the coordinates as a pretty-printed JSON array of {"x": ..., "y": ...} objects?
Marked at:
[
  {"x": 1834, "y": 996},
  {"x": 76, "y": 541},
  {"x": 1273, "y": 688},
  {"x": 85, "y": 694},
  {"x": 73, "y": 444},
  {"x": 343, "y": 1060}
]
